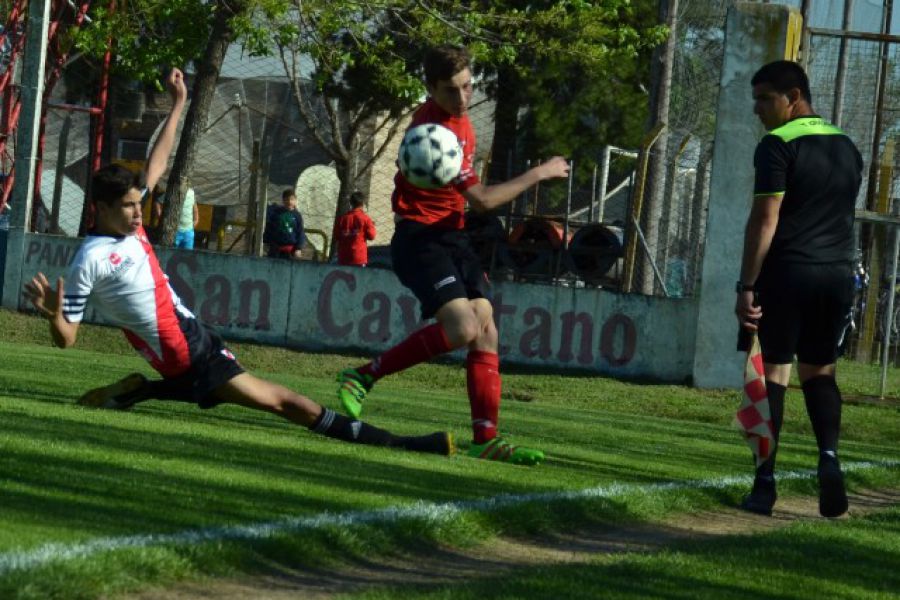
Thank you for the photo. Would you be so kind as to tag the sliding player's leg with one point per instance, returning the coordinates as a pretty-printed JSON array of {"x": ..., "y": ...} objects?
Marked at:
[{"x": 253, "y": 392}]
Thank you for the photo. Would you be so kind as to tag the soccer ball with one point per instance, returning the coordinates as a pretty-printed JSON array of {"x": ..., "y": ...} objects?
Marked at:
[{"x": 430, "y": 156}]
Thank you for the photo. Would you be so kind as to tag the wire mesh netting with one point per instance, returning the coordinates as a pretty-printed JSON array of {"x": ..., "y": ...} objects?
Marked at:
[
  {"x": 256, "y": 144},
  {"x": 847, "y": 76},
  {"x": 670, "y": 223}
]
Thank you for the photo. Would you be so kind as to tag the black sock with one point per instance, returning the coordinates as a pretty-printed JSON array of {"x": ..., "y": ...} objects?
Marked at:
[
  {"x": 823, "y": 405},
  {"x": 338, "y": 426},
  {"x": 165, "y": 389},
  {"x": 133, "y": 397},
  {"x": 775, "y": 391}
]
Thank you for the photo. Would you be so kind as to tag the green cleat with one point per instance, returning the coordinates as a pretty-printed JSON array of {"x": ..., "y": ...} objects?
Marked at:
[
  {"x": 499, "y": 449},
  {"x": 120, "y": 395},
  {"x": 353, "y": 390}
]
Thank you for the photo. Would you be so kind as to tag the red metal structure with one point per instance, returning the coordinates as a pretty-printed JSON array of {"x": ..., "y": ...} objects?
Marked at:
[{"x": 64, "y": 14}]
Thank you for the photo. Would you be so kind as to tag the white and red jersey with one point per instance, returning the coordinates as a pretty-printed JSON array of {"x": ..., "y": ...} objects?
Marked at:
[
  {"x": 444, "y": 206},
  {"x": 126, "y": 285}
]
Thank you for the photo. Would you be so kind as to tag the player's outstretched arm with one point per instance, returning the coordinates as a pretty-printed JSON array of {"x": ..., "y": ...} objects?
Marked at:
[
  {"x": 488, "y": 197},
  {"x": 162, "y": 148},
  {"x": 49, "y": 302}
]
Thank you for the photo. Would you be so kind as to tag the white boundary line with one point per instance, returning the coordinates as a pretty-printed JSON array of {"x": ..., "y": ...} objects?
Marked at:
[{"x": 28, "y": 559}]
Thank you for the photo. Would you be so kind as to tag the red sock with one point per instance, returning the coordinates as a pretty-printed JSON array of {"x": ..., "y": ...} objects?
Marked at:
[
  {"x": 483, "y": 379},
  {"x": 422, "y": 345}
]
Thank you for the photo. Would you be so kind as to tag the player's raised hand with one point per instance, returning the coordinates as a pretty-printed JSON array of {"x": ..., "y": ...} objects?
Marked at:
[
  {"x": 175, "y": 85},
  {"x": 555, "y": 168},
  {"x": 43, "y": 297}
]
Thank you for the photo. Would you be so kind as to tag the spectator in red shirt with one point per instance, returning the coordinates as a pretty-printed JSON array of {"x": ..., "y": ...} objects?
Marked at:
[
  {"x": 352, "y": 230},
  {"x": 431, "y": 255}
]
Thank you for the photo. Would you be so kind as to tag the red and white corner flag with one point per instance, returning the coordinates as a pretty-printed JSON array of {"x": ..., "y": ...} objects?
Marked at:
[{"x": 753, "y": 418}]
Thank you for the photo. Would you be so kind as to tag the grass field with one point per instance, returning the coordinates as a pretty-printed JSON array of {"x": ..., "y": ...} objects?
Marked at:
[{"x": 96, "y": 503}]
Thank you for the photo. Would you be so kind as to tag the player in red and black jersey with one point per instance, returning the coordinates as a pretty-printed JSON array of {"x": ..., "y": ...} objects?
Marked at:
[{"x": 432, "y": 256}]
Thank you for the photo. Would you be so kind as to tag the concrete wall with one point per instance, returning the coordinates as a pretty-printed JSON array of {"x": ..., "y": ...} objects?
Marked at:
[
  {"x": 322, "y": 307},
  {"x": 755, "y": 34}
]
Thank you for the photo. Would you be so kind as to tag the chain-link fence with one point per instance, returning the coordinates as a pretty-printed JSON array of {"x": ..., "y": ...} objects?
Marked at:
[
  {"x": 853, "y": 76},
  {"x": 630, "y": 220},
  {"x": 666, "y": 223},
  {"x": 668, "y": 215},
  {"x": 256, "y": 144}
]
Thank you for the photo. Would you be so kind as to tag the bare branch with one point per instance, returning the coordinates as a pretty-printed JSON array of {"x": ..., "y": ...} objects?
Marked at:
[
  {"x": 392, "y": 132},
  {"x": 306, "y": 110}
]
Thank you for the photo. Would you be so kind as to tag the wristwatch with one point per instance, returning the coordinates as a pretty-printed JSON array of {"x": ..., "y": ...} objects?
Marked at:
[{"x": 742, "y": 287}]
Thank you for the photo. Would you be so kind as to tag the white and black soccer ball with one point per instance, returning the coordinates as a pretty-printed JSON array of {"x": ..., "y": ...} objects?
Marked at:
[{"x": 430, "y": 156}]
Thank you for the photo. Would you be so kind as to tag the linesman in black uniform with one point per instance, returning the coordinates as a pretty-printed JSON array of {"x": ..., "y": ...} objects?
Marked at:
[{"x": 795, "y": 285}]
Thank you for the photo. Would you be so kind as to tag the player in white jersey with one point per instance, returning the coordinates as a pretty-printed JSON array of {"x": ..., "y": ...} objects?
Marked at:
[{"x": 118, "y": 271}]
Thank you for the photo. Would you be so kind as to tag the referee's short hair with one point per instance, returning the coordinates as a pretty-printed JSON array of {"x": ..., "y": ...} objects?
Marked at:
[{"x": 783, "y": 76}]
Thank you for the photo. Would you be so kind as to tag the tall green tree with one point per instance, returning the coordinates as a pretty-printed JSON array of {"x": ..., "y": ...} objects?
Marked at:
[
  {"x": 359, "y": 62},
  {"x": 575, "y": 104},
  {"x": 148, "y": 33},
  {"x": 221, "y": 35},
  {"x": 354, "y": 66}
]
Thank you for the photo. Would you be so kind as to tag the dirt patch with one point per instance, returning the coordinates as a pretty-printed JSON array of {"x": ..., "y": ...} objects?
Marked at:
[{"x": 447, "y": 566}]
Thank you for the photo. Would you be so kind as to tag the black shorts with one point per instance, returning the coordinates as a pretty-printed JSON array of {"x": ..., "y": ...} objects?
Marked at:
[
  {"x": 212, "y": 365},
  {"x": 438, "y": 265},
  {"x": 806, "y": 311}
]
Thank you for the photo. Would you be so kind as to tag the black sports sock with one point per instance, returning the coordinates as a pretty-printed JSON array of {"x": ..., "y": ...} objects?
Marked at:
[
  {"x": 165, "y": 389},
  {"x": 775, "y": 391},
  {"x": 129, "y": 399},
  {"x": 338, "y": 426},
  {"x": 823, "y": 405}
]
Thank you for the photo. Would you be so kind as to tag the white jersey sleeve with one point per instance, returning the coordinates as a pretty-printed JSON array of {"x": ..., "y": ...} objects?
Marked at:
[{"x": 77, "y": 287}]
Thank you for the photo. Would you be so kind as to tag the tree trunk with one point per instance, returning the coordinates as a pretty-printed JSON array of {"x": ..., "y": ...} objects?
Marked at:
[
  {"x": 197, "y": 115},
  {"x": 697, "y": 231},
  {"x": 664, "y": 57},
  {"x": 506, "y": 121},
  {"x": 345, "y": 172}
]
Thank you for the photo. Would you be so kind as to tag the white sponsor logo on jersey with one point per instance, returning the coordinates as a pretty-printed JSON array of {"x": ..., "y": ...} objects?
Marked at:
[{"x": 444, "y": 281}]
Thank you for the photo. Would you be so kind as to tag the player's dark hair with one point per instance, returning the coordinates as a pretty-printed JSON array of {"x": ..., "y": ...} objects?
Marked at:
[
  {"x": 783, "y": 76},
  {"x": 357, "y": 199},
  {"x": 112, "y": 182},
  {"x": 287, "y": 194},
  {"x": 443, "y": 62}
]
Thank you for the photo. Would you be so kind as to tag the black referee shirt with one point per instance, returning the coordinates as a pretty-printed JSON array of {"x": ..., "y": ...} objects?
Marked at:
[{"x": 817, "y": 170}]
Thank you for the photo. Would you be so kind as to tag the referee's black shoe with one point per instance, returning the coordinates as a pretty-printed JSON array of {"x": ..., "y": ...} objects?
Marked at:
[
  {"x": 762, "y": 497},
  {"x": 832, "y": 493}
]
